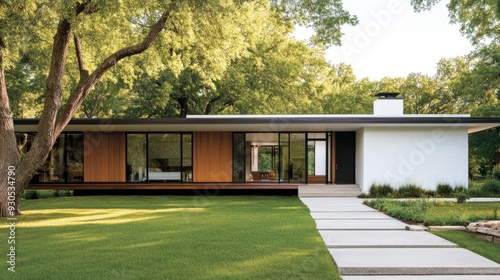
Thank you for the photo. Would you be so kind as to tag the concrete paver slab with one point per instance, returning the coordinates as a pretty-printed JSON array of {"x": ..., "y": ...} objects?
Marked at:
[
  {"x": 332, "y": 200},
  {"x": 360, "y": 225},
  {"x": 346, "y": 207},
  {"x": 383, "y": 239},
  {"x": 423, "y": 277},
  {"x": 348, "y": 215},
  {"x": 411, "y": 261}
]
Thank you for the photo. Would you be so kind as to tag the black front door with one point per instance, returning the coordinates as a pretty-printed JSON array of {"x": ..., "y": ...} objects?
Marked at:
[{"x": 345, "y": 151}]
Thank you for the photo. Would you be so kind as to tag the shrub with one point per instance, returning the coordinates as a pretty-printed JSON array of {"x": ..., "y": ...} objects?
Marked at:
[
  {"x": 430, "y": 193},
  {"x": 410, "y": 191},
  {"x": 475, "y": 190},
  {"x": 31, "y": 194},
  {"x": 444, "y": 189},
  {"x": 461, "y": 194},
  {"x": 491, "y": 187},
  {"x": 495, "y": 173},
  {"x": 58, "y": 193},
  {"x": 379, "y": 191}
]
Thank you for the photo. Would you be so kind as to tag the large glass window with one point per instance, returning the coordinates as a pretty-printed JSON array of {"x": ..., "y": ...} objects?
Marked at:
[
  {"x": 64, "y": 162},
  {"x": 262, "y": 151},
  {"x": 160, "y": 157},
  {"x": 187, "y": 157},
  {"x": 298, "y": 157},
  {"x": 239, "y": 157},
  {"x": 285, "y": 173},
  {"x": 74, "y": 157},
  {"x": 136, "y": 157},
  {"x": 164, "y": 157}
]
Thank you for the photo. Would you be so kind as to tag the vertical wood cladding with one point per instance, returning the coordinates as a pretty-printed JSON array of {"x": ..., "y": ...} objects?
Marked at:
[
  {"x": 212, "y": 159},
  {"x": 104, "y": 159}
]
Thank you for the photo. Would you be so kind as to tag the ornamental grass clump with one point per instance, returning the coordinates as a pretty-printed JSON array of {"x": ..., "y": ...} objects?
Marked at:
[
  {"x": 410, "y": 191},
  {"x": 444, "y": 190},
  {"x": 380, "y": 191}
]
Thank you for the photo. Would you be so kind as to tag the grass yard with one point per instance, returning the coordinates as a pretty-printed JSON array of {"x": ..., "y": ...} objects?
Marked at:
[
  {"x": 167, "y": 237},
  {"x": 469, "y": 241}
]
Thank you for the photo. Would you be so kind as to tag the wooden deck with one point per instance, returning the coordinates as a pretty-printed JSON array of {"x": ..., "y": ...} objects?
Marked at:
[{"x": 162, "y": 186}]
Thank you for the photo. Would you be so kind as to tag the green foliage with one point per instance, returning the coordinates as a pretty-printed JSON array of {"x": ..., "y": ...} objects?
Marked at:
[
  {"x": 325, "y": 16},
  {"x": 479, "y": 20},
  {"x": 444, "y": 189},
  {"x": 379, "y": 191},
  {"x": 462, "y": 195},
  {"x": 495, "y": 172},
  {"x": 409, "y": 210},
  {"x": 31, "y": 194},
  {"x": 434, "y": 212},
  {"x": 59, "y": 193},
  {"x": 410, "y": 191},
  {"x": 491, "y": 187}
]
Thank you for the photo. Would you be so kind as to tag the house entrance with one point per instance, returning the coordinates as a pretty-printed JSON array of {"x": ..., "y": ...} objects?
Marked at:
[{"x": 345, "y": 154}]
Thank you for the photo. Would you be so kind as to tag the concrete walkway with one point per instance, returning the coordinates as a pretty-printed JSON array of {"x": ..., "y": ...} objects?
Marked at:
[{"x": 369, "y": 245}]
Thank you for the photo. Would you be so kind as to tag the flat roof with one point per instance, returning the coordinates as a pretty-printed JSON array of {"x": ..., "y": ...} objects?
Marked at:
[{"x": 267, "y": 123}]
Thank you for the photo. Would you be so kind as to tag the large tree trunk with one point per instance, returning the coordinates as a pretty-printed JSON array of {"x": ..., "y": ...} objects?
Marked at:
[
  {"x": 53, "y": 120},
  {"x": 45, "y": 137},
  {"x": 9, "y": 155}
]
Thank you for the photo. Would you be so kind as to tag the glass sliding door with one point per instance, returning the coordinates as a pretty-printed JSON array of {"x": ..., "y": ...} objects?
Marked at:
[{"x": 262, "y": 151}]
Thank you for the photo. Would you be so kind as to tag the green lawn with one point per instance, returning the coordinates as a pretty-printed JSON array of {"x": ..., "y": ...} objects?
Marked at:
[
  {"x": 167, "y": 237},
  {"x": 469, "y": 241}
]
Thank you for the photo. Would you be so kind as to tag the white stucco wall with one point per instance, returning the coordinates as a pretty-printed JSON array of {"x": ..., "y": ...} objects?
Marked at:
[{"x": 423, "y": 156}]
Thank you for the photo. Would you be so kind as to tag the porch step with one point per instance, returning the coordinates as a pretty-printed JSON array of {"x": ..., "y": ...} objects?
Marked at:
[{"x": 329, "y": 191}]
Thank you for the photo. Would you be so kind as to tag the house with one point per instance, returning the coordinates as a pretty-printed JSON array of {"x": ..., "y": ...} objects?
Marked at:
[{"x": 266, "y": 152}]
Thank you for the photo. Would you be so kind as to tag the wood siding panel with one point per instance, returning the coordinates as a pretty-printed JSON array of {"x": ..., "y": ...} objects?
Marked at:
[
  {"x": 212, "y": 157},
  {"x": 104, "y": 159}
]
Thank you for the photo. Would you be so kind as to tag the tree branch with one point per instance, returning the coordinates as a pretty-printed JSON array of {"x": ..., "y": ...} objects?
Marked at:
[
  {"x": 85, "y": 85},
  {"x": 84, "y": 73}
]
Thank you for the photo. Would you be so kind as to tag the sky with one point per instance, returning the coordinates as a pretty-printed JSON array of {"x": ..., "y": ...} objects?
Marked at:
[{"x": 391, "y": 40}]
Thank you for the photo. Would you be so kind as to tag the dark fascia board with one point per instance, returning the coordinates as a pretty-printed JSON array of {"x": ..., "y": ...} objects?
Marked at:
[{"x": 277, "y": 119}]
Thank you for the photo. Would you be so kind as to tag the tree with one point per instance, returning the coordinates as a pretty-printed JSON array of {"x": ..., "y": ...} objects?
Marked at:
[
  {"x": 100, "y": 34},
  {"x": 479, "y": 19}
]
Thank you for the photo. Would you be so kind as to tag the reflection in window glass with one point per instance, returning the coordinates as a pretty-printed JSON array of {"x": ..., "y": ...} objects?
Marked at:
[
  {"x": 285, "y": 173},
  {"x": 54, "y": 169},
  {"x": 298, "y": 157},
  {"x": 74, "y": 157},
  {"x": 239, "y": 157},
  {"x": 164, "y": 157},
  {"x": 136, "y": 157},
  {"x": 187, "y": 158}
]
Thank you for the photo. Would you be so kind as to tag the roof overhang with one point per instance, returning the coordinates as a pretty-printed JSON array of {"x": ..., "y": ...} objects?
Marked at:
[{"x": 267, "y": 123}]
